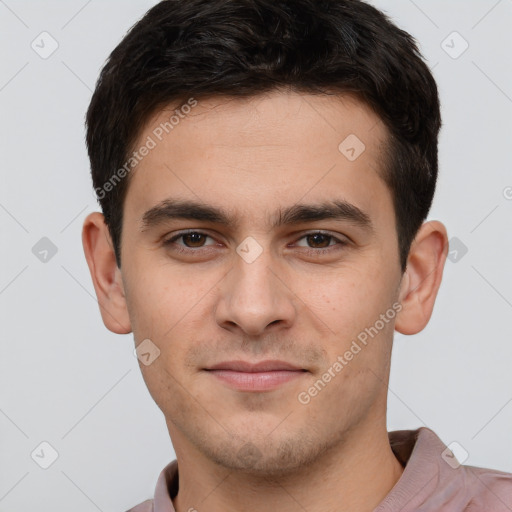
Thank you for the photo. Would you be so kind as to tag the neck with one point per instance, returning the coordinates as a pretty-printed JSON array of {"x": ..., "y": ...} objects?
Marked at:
[{"x": 355, "y": 475}]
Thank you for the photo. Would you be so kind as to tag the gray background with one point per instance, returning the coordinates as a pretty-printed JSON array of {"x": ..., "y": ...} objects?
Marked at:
[{"x": 66, "y": 380}]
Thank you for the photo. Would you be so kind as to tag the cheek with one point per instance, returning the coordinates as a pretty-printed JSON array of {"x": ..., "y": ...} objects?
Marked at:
[
  {"x": 166, "y": 388},
  {"x": 161, "y": 297},
  {"x": 351, "y": 307},
  {"x": 347, "y": 299}
]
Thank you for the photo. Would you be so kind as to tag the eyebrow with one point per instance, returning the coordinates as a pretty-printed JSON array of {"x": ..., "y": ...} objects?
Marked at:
[{"x": 170, "y": 209}]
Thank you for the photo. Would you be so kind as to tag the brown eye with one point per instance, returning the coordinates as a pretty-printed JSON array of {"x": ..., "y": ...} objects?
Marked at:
[
  {"x": 189, "y": 240},
  {"x": 318, "y": 244},
  {"x": 194, "y": 239},
  {"x": 319, "y": 240}
]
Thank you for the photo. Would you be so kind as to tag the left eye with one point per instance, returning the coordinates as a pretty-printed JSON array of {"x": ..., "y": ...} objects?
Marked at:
[{"x": 319, "y": 240}]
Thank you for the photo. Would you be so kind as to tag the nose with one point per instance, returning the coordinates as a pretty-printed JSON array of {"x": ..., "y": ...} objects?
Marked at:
[{"x": 255, "y": 298}]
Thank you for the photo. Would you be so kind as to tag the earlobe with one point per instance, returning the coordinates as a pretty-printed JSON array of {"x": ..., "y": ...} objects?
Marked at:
[
  {"x": 106, "y": 275},
  {"x": 422, "y": 278}
]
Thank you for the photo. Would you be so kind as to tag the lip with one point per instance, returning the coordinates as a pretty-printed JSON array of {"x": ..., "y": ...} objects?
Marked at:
[
  {"x": 261, "y": 376},
  {"x": 262, "y": 366}
]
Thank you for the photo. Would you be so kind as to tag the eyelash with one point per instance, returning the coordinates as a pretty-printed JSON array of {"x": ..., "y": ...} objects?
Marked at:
[{"x": 309, "y": 251}]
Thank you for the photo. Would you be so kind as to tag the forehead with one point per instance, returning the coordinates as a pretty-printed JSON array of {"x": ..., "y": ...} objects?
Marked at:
[{"x": 260, "y": 152}]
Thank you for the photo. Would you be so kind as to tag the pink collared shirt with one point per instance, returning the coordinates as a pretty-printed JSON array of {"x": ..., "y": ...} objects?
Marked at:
[{"x": 432, "y": 481}]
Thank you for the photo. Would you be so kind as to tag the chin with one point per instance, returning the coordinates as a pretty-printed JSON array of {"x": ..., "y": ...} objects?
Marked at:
[{"x": 265, "y": 455}]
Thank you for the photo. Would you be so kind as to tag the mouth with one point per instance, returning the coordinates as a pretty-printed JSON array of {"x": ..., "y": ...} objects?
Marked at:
[{"x": 262, "y": 376}]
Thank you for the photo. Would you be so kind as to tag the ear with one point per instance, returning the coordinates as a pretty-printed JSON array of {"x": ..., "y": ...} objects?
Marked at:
[
  {"x": 422, "y": 277},
  {"x": 106, "y": 275}
]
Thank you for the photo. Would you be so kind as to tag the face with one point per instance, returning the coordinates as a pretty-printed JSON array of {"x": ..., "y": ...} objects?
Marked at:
[{"x": 254, "y": 234}]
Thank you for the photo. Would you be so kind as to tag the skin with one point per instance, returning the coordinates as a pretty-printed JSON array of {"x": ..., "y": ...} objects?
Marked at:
[{"x": 241, "y": 450}]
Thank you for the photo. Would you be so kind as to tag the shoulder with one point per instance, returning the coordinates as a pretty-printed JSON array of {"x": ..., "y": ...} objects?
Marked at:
[
  {"x": 145, "y": 506},
  {"x": 490, "y": 488}
]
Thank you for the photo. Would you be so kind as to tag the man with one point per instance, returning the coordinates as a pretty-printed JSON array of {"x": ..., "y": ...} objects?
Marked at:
[{"x": 265, "y": 168}]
